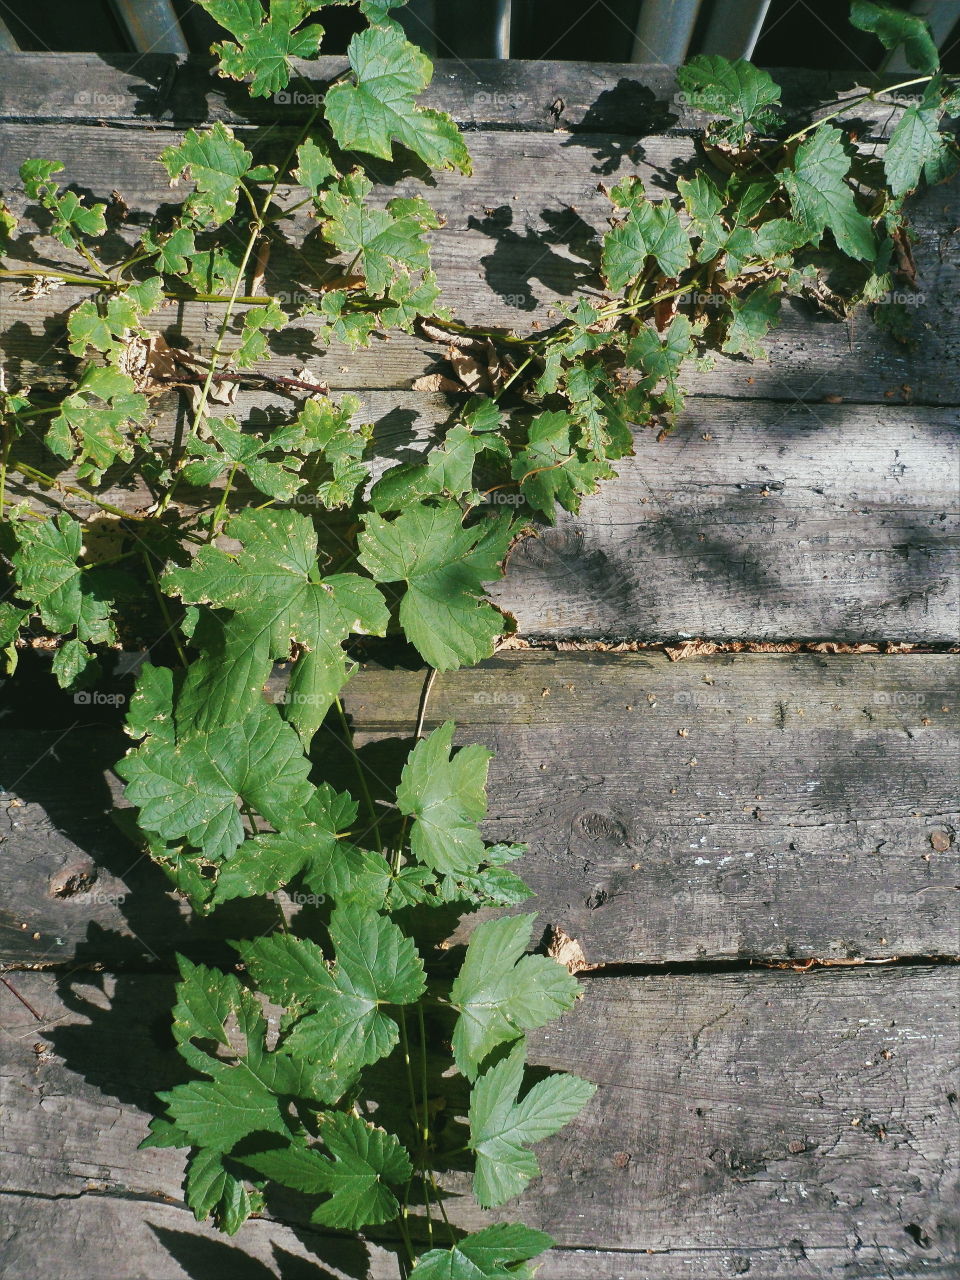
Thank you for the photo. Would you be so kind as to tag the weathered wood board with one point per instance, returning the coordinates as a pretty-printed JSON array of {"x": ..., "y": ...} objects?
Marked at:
[
  {"x": 742, "y": 806},
  {"x": 811, "y": 1115}
]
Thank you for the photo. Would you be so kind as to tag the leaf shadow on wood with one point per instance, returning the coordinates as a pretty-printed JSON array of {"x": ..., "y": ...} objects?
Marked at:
[{"x": 203, "y": 1258}]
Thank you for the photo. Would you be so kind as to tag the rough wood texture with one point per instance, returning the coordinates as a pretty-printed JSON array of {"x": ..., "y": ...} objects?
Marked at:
[
  {"x": 739, "y": 806},
  {"x": 743, "y": 1123}
]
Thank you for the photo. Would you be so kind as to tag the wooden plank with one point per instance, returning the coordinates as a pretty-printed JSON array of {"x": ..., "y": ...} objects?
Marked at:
[
  {"x": 760, "y": 1117},
  {"x": 518, "y": 238},
  {"x": 535, "y": 96},
  {"x": 733, "y": 807},
  {"x": 769, "y": 521}
]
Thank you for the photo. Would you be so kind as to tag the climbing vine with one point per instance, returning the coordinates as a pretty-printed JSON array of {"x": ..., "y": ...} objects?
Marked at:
[{"x": 284, "y": 542}]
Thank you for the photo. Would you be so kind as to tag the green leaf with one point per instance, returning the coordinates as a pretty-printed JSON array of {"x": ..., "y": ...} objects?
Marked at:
[
  {"x": 917, "y": 148},
  {"x": 90, "y": 427},
  {"x": 490, "y": 1254},
  {"x": 278, "y": 598},
  {"x": 649, "y": 230},
  {"x": 894, "y": 27},
  {"x": 172, "y": 250},
  {"x": 376, "y": 966},
  {"x": 821, "y": 198},
  {"x": 353, "y": 328},
  {"x": 150, "y": 707},
  {"x": 72, "y": 662},
  {"x": 501, "y": 1127},
  {"x": 444, "y": 567},
  {"x": 66, "y": 595},
  {"x": 218, "y": 1113},
  {"x": 660, "y": 357},
  {"x": 549, "y": 469},
  {"x": 314, "y": 166},
  {"x": 386, "y": 242},
  {"x": 101, "y": 328},
  {"x": 256, "y": 321},
  {"x": 365, "y": 1160},
  {"x": 752, "y": 314},
  {"x": 217, "y": 163},
  {"x": 448, "y": 470},
  {"x": 326, "y": 434},
  {"x": 8, "y": 225},
  {"x": 447, "y": 798},
  {"x": 737, "y": 92},
  {"x": 703, "y": 203},
  {"x": 210, "y": 1188},
  {"x": 190, "y": 790},
  {"x": 265, "y": 43},
  {"x": 380, "y": 107},
  {"x": 499, "y": 995}
]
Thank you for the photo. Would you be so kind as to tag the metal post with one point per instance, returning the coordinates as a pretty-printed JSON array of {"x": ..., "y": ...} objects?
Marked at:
[
  {"x": 663, "y": 30},
  {"x": 503, "y": 14},
  {"x": 941, "y": 15},
  {"x": 734, "y": 27},
  {"x": 7, "y": 42},
  {"x": 152, "y": 25}
]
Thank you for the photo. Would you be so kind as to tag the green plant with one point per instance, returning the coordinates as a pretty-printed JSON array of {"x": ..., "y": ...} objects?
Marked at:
[{"x": 290, "y": 553}]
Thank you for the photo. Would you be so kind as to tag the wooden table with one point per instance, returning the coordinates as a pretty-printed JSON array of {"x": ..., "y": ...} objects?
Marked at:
[{"x": 757, "y": 849}]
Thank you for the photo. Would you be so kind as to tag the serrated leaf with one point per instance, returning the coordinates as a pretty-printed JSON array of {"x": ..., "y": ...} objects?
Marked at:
[
  {"x": 217, "y": 163},
  {"x": 334, "y": 446},
  {"x": 257, "y": 321},
  {"x": 549, "y": 470},
  {"x": 218, "y": 1113},
  {"x": 444, "y": 566},
  {"x": 385, "y": 242},
  {"x": 490, "y": 1254},
  {"x": 172, "y": 250},
  {"x": 752, "y": 315},
  {"x": 894, "y": 27},
  {"x": 365, "y": 1160},
  {"x": 353, "y": 328},
  {"x": 703, "y": 203},
  {"x": 150, "y": 707},
  {"x": 209, "y": 1187},
  {"x": 448, "y": 471},
  {"x": 446, "y": 798},
  {"x": 649, "y": 230},
  {"x": 737, "y": 92},
  {"x": 501, "y": 1128},
  {"x": 265, "y": 42},
  {"x": 102, "y": 328},
  {"x": 917, "y": 148},
  {"x": 278, "y": 598},
  {"x": 190, "y": 790},
  {"x": 376, "y": 965},
  {"x": 66, "y": 595},
  {"x": 380, "y": 109},
  {"x": 314, "y": 166},
  {"x": 90, "y": 427},
  {"x": 820, "y": 197},
  {"x": 501, "y": 993}
]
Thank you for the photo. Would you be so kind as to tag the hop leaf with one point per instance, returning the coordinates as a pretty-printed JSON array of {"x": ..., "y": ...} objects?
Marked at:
[
  {"x": 278, "y": 598},
  {"x": 444, "y": 566},
  {"x": 365, "y": 1160},
  {"x": 751, "y": 316},
  {"x": 387, "y": 242},
  {"x": 499, "y": 995},
  {"x": 265, "y": 43},
  {"x": 500, "y": 1127},
  {"x": 649, "y": 230},
  {"x": 490, "y": 1254},
  {"x": 737, "y": 92},
  {"x": 447, "y": 798},
  {"x": 380, "y": 108},
  {"x": 89, "y": 429},
  {"x": 917, "y": 148},
  {"x": 211, "y": 1188},
  {"x": 256, "y": 321},
  {"x": 217, "y": 163},
  {"x": 376, "y": 965},
  {"x": 189, "y": 790},
  {"x": 820, "y": 197},
  {"x": 549, "y": 469},
  {"x": 894, "y": 27}
]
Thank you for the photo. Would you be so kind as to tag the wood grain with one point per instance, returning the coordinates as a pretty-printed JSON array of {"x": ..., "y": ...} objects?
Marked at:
[
  {"x": 815, "y": 1108},
  {"x": 734, "y": 807}
]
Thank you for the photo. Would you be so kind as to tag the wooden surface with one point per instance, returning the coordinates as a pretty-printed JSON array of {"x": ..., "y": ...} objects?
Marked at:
[{"x": 706, "y": 828}]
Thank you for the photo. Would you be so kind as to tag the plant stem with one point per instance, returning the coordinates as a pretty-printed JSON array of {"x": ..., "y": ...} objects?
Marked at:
[
  {"x": 218, "y": 514},
  {"x": 164, "y": 611},
  {"x": 31, "y": 473}
]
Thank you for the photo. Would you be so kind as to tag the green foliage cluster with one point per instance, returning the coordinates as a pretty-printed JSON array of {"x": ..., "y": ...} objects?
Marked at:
[{"x": 293, "y": 551}]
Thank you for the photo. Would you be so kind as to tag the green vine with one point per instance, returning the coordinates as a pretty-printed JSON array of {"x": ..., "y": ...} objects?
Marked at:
[{"x": 267, "y": 544}]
